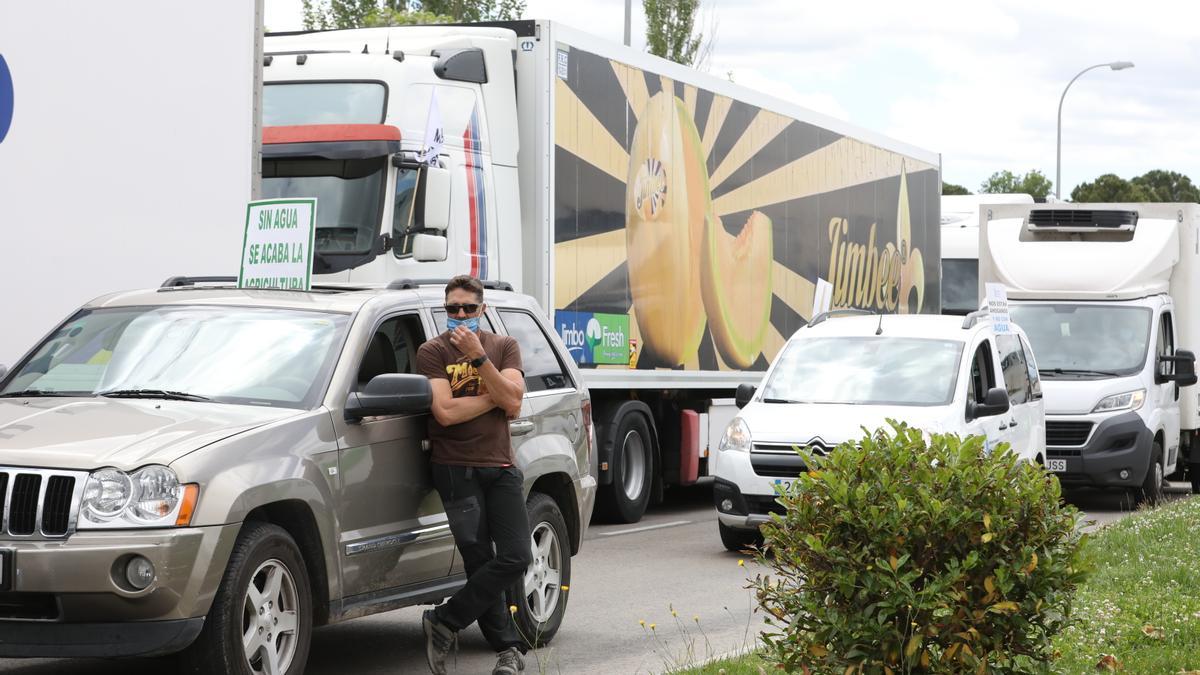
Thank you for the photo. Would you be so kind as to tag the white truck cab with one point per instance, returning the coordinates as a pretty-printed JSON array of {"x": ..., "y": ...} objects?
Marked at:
[
  {"x": 843, "y": 372},
  {"x": 1106, "y": 294}
]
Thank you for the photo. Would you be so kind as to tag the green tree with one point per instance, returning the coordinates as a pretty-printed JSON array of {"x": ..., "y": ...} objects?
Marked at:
[
  {"x": 1168, "y": 186},
  {"x": 670, "y": 25},
  {"x": 1111, "y": 188},
  {"x": 1033, "y": 183},
  {"x": 952, "y": 189},
  {"x": 324, "y": 14}
]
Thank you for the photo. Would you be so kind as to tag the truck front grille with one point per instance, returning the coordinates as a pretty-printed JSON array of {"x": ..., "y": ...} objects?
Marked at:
[
  {"x": 1059, "y": 432},
  {"x": 39, "y": 502}
]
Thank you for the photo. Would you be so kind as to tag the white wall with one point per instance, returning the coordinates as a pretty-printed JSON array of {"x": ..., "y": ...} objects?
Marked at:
[{"x": 130, "y": 154}]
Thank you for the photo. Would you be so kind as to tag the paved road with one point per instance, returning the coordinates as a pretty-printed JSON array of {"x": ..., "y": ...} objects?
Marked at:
[{"x": 624, "y": 574}]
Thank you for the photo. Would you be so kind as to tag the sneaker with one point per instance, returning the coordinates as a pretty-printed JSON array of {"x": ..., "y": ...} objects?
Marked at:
[
  {"x": 509, "y": 662},
  {"x": 439, "y": 639}
]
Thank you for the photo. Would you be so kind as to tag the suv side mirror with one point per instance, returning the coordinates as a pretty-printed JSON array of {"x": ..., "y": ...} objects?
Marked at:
[
  {"x": 1185, "y": 368},
  {"x": 745, "y": 392},
  {"x": 390, "y": 394},
  {"x": 994, "y": 403}
]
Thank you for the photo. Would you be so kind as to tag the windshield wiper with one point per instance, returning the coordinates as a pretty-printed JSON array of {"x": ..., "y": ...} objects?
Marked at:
[
  {"x": 1077, "y": 371},
  {"x": 153, "y": 393},
  {"x": 32, "y": 393}
]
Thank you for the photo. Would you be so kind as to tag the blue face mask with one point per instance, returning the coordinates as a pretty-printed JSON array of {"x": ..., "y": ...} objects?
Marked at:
[{"x": 472, "y": 323}]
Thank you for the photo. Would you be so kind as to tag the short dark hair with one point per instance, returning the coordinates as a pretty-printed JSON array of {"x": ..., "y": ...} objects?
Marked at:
[{"x": 467, "y": 283}]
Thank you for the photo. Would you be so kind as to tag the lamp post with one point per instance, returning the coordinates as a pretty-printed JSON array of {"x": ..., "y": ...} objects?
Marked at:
[{"x": 1115, "y": 65}]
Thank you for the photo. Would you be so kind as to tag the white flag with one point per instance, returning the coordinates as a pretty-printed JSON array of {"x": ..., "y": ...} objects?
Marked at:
[
  {"x": 822, "y": 297},
  {"x": 434, "y": 136}
]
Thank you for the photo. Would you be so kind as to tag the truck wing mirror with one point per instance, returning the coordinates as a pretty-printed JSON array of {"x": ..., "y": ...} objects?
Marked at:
[
  {"x": 745, "y": 392},
  {"x": 1185, "y": 367},
  {"x": 390, "y": 394},
  {"x": 3, "y": 371},
  {"x": 995, "y": 402},
  {"x": 429, "y": 247},
  {"x": 437, "y": 199}
]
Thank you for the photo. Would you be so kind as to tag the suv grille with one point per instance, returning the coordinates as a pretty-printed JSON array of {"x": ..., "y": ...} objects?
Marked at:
[
  {"x": 37, "y": 502},
  {"x": 1067, "y": 433}
]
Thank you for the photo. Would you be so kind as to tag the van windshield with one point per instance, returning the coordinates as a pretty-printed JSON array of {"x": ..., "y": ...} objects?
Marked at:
[
  {"x": 1090, "y": 341},
  {"x": 866, "y": 371},
  {"x": 245, "y": 355}
]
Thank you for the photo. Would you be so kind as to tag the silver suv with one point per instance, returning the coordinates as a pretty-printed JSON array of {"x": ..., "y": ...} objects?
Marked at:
[{"x": 217, "y": 471}]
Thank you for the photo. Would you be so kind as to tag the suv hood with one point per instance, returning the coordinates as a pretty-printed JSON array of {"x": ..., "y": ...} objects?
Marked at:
[
  {"x": 89, "y": 433},
  {"x": 831, "y": 424}
]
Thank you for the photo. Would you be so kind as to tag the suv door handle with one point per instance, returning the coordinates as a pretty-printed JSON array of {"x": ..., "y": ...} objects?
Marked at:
[{"x": 520, "y": 427}]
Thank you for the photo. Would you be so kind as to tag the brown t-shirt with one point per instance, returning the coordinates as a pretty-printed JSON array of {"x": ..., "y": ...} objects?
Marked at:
[{"x": 483, "y": 441}]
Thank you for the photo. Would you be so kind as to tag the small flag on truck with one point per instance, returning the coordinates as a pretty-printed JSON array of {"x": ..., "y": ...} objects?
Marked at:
[{"x": 434, "y": 134}]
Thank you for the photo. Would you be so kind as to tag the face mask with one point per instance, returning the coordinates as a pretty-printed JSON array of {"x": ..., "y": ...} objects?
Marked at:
[{"x": 472, "y": 323}]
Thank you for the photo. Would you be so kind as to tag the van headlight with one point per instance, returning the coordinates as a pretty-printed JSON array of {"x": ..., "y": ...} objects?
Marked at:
[
  {"x": 1130, "y": 400},
  {"x": 736, "y": 437},
  {"x": 152, "y": 496}
]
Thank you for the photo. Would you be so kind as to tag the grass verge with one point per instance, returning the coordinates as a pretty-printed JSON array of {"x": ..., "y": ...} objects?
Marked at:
[{"x": 743, "y": 664}]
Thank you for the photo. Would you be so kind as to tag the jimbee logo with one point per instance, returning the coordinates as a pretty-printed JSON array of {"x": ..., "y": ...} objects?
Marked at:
[{"x": 6, "y": 98}]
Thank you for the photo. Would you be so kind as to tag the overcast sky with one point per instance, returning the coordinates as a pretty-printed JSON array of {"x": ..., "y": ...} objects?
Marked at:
[{"x": 978, "y": 82}]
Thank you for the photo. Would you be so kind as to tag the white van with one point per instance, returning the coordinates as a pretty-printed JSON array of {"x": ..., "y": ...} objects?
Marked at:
[{"x": 846, "y": 370}]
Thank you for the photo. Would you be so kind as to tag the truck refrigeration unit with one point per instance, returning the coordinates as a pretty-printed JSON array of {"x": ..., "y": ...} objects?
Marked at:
[
  {"x": 673, "y": 225},
  {"x": 1107, "y": 294}
]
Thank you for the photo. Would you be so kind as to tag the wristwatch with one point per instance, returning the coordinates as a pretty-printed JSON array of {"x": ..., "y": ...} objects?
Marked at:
[{"x": 475, "y": 363}]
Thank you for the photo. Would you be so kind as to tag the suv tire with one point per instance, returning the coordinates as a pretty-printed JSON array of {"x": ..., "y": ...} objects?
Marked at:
[
  {"x": 1151, "y": 491},
  {"x": 541, "y": 600},
  {"x": 739, "y": 540},
  {"x": 624, "y": 500},
  {"x": 265, "y": 573}
]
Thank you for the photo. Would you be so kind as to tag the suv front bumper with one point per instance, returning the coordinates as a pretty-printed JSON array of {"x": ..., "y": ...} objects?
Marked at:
[{"x": 69, "y": 597}]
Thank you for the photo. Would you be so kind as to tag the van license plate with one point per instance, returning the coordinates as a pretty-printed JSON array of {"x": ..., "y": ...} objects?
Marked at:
[
  {"x": 6, "y": 571},
  {"x": 1056, "y": 465}
]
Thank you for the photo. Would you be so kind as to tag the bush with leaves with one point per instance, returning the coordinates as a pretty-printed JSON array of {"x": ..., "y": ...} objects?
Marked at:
[{"x": 904, "y": 552}]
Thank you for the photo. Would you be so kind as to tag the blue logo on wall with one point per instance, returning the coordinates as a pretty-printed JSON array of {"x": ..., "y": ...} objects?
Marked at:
[{"x": 6, "y": 98}]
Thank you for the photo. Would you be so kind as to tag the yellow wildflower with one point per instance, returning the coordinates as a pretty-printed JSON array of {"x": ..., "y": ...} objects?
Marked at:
[{"x": 512, "y": 609}]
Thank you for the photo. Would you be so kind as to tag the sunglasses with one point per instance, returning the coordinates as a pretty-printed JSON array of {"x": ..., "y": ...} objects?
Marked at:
[{"x": 455, "y": 309}]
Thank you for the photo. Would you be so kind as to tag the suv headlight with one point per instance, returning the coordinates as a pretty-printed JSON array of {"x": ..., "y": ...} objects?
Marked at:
[
  {"x": 736, "y": 437},
  {"x": 1130, "y": 400},
  {"x": 149, "y": 497}
]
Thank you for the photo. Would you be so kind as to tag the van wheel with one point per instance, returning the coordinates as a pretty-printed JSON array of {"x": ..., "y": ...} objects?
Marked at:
[
  {"x": 739, "y": 540},
  {"x": 624, "y": 500},
  {"x": 260, "y": 622},
  {"x": 1151, "y": 492},
  {"x": 541, "y": 596}
]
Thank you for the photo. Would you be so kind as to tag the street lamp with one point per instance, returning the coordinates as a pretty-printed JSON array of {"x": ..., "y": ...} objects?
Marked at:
[{"x": 1115, "y": 65}]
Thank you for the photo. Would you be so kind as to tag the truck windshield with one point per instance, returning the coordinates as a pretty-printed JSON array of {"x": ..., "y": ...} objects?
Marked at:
[
  {"x": 960, "y": 285},
  {"x": 866, "y": 371},
  {"x": 349, "y": 196},
  {"x": 253, "y": 356},
  {"x": 288, "y": 103},
  {"x": 1085, "y": 340}
]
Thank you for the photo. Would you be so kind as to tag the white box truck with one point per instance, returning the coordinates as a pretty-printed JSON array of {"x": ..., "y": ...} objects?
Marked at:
[
  {"x": 960, "y": 247},
  {"x": 1107, "y": 294},
  {"x": 673, "y": 224}
]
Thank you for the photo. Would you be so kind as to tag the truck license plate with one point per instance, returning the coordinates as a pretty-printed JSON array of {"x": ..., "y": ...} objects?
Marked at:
[
  {"x": 1056, "y": 465},
  {"x": 6, "y": 572}
]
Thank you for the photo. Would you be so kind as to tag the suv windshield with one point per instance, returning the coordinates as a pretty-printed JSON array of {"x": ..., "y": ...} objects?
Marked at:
[
  {"x": 272, "y": 357},
  {"x": 1085, "y": 340},
  {"x": 866, "y": 371},
  {"x": 349, "y": 196}
]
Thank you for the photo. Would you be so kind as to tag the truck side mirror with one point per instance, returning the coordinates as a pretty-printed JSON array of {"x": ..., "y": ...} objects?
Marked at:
[
  {"x": 390, "y": 394},
  {"x": 3, "y": 371},
  {"x": 745, "y": 392},
  {"x": 1185, "y": 368},
  {"x": 437, "y": 199},
  {"x": 995, "y": 402},
  {"x": 429, "y": 247}
]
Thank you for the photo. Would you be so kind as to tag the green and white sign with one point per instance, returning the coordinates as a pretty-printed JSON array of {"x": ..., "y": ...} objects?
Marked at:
[{"x": 277, "y": 251}]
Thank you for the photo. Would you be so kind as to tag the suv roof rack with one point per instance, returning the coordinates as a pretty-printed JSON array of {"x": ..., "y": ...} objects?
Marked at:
[
  {"x": 975, "y": 317},
  {"x": 409, "y": 284},
  {"x": 176, "y": 282},
  {"x": 183, "y": 282},
  {"x": 833, "y": 313}
]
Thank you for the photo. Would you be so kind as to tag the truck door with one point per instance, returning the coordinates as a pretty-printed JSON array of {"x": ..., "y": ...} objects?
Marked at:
[
  {"x": 1166, "y": 394},
  {"x": 982, "y": 376},
  {"x": 393, "y": 530}
]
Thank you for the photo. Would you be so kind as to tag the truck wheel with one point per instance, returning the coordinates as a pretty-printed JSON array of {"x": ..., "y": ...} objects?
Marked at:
[
  {"x": 261, "y": 618},
  {"x": 739, "y": 540},
  {"x": 624, "y": 500},
  {"x": 1151, "y": 492},
  {"x": 541, "y": 597}
]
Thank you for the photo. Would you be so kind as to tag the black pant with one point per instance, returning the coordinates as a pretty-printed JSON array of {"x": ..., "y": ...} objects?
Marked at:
[{"x": 485, "y": 505}]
